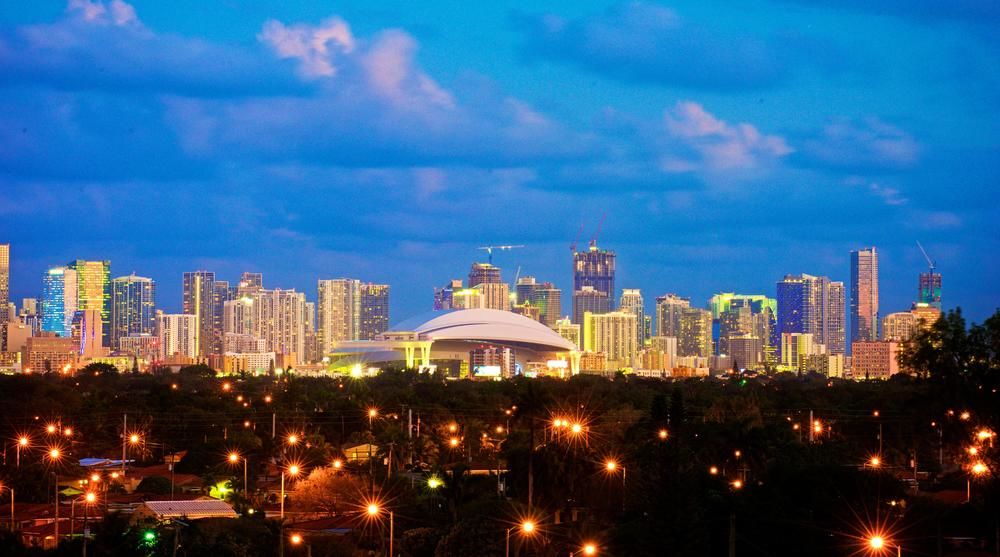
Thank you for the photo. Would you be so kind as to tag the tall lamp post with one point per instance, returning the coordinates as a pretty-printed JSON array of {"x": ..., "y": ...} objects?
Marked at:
[
  {"x": 374, "y": 510},
  {"x": 611, "y": 466},
  {"x": 22, "y": 443},
  {"x": 526, "y": 527},
  {"x": 978, "y": 469},
  {"x": 90, "y": 498},
  {"x": 234, "y": 458}
]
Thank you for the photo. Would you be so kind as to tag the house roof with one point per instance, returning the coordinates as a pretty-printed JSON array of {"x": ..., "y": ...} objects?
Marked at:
[{"x": 198, "y": 508}]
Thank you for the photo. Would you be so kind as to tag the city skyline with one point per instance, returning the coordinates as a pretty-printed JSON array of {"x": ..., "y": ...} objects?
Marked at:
[{"x": 458, "y": 134}]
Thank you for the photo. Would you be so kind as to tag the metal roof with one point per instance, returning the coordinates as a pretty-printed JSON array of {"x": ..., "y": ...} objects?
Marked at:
[{"x": 199, "y": 508}]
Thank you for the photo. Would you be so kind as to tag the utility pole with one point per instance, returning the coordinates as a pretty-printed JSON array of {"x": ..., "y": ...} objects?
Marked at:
[
  {"x": 732, "y": 535},
  {"x": 124, "y": 441},
  {"x": 274, "y": 424},
  {"x": 811, "y": 426}
]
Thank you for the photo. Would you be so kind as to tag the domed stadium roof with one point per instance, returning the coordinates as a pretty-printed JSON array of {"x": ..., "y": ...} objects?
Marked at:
[{"x": 486, "y": 325}]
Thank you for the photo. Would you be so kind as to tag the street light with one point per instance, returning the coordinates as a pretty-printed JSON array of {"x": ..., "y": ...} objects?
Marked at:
[
  {"x": 878, "y": 544},
  {"x": 374, "y": 509},
  {"x": 22, "y": 442},
  {"x": 875, "y": 462},
  {"x": 977, "y": 469},
  {"x": 90, "y": 498},
  {"x": 526, "y": 527},
  {"x": 292, "y": 470},
  {"x": 293, "y": 439},
  {"x": 234, "y": 458},
  {"x": 585, "y": 549},
  {"x": 297, "y": 539},
  {"x": 662, "y": 434},
  {"x": 434, "y": 482},
  {"x": 338, "y": 464}
]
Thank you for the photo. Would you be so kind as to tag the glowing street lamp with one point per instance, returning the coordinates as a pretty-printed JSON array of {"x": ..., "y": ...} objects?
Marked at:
[
  {"x": 526, "y": 528},
  {"x": 662, "y": 434},
  {"x": 297, "y": 539},
  {"x": 978, "y": 469},
  {"x": 293, "y": 439},
  {"x": 453, "y": 442},
  {"x": 51, "y": 429},
  {"x": 338, "y": 464},
  {"x": 292, "y": 471},
  {"x": 878, "y": 544},
  {"x": 434, "y": 482},
  {"x": 713, "y": 470},
  {"x": 134, "y": 438},
  {"x": 374, "y": 509},
  {"x": 875, "y": 462},
  {"x": 22, "y": 442},
  {"x": 234, "y": 458},
  {"x": 585, "y": 549},
  {"x": 54, "y": 453}
]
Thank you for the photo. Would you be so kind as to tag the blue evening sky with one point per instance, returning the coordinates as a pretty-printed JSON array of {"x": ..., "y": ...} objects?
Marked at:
[{"x": 727, "y": 143}]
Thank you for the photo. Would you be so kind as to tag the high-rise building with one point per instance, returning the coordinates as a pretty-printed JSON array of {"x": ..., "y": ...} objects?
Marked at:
[
  {"x": 631, "y": 301},
  {"x": 59, "y": 299},
  {"x": 796, "y": 348},
  {"x": 199, "y": 299},
  {"x": 864, "y": 295},
  {"x": 279, "y": 317},
  {"x": 668, "y": 314},
  {"x": 695, "y": 336},
  {"x": 494, "y": 362},
  {"x": 874, "y": 359},
  {"x": 594, "y": 268},
  {"x": 4, "y": 294},
  {"x": 569, "y": 331},
  {"x": 589, "y": 299},
  {"x": 902, "y": 325},
  {"x": 29, "y": 306},
  {"x": 483, "y": 273},
  {"x": 467, "y": 298},
  {"x": 496, "y": 295},
  {"x": 94, "y": 290},
  {"x": 612, "y": 334},
  {"x": 746, "y": 322},
  {"x": 250, "y": 282},
  {"x": 88, "y": 331},
  {"x": 177, "y": 334},
  {"x": 374, "y": 310},
  {"x": 133, "y": 307},
  {"x": 524, "y": 290},
  {"x": 548, "y": 299},
  {"x": 929, "y": 289},
  {"x": 443, "y": 295},
  {"x": 339, "y": 312},
  {"x": 815, "y": 305}
]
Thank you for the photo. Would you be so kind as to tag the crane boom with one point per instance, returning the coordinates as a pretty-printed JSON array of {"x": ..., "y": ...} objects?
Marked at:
[
  {"x": 930, "y": 262},
  {"x": 489, "y": 249}
]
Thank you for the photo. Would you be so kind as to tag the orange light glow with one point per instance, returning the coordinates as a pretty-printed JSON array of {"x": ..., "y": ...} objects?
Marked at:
[{"x": 662, "y": 434}]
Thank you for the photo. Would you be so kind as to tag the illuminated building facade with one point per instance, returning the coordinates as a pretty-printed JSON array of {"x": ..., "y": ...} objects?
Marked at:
[
  {"x": 467, "y": 298},
  {"x": 443, "y": 295},
  {"x": 929, "y": 289},
  {"x": 569, "y": 331},
  {"x": 695, "y": 335},
  {"x": 593, "y": 269},
  {"x": 483, "y": 273},
  {"x": 88, "y": 331},
  {"x": 548, "y": 299},
  {"x": 632, "y": 302},
  {"x": 94, "y": 290},
  {"x": 589, "y": 300},
  {"x": 612, "y": 334},
  {"x": 874, "y": 359},
  {"x": 177, "y": 335},
  {"x": 815, "y": 305},
  {"x": 374, "y": 310},
  {"x": 59, "y": 287},
  {"x": 496, "y": 295},
  {"x": 492, "y": 362},
  {"x": 864, "y": 295},
  {"x": 133, "y": 308},
  {"x": 49, "y": 353},
  {"x": 668, "y": 314},
  {"x": 199, "y": 300},
  {"x": 4, "y": 294},
  {"x": 339, "y": 311}
]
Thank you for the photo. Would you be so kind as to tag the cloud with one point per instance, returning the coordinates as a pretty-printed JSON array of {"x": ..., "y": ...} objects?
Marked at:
[
  {"x": 888, "y": 194},
  {"x": 314, "y": 46},
  {"x": 105, "y": 46},
  {"x": 709, "y": 144},
  {"x": 869, "y": 143},
  {"x": 646, "y": 43}
]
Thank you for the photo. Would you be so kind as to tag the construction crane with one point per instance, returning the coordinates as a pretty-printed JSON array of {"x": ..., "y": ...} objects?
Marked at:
[
  {"x": 489, "y": 250},
  {"x": 930, "y": 262},
  {"x": 572, "y": 247},
  {"x": 593, "y": 240}
]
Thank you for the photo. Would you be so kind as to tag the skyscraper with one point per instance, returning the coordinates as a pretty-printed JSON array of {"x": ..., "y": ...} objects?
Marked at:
[
  {"x": 695, "y": 335},
  {"x": 199, "y": 299},
  {"x": 631, "y": 301},
  {"x": 589, "y": 299},
  {"x": 483, "y": 273},
  {"x": 59, "y": 298},
  {"x": 374, "y": 310},
  {"x": 864, "y": 295},
  {"x": 133, "y": 308},
  {"x": 612, "y": 334},
  {"x": 548, "y": 299},
  {"x": 94, "y": 290},
  {"x": 4, "y": 293},
  {"x": 746, "y": 323},
  {"x": 524, "y": 290},
  {"x": 814, "y": 305},
  {"x": 178, "y": 334},
  {"x": 594, "y": 269},
  {"x": 668, "y": 314},
  {"x": 929, "y": 289},
  {"x": 443, "y": 296},
  {"x": 339, "y": 311}
]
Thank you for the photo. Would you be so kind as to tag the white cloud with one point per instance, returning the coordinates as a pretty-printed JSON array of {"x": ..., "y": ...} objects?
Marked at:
[
  {"x": 116, "y": 12},
  {"x": 865, "y": 143},
  {"x": 315, "y": 46},
  {"x": 711, "y": 144}
]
